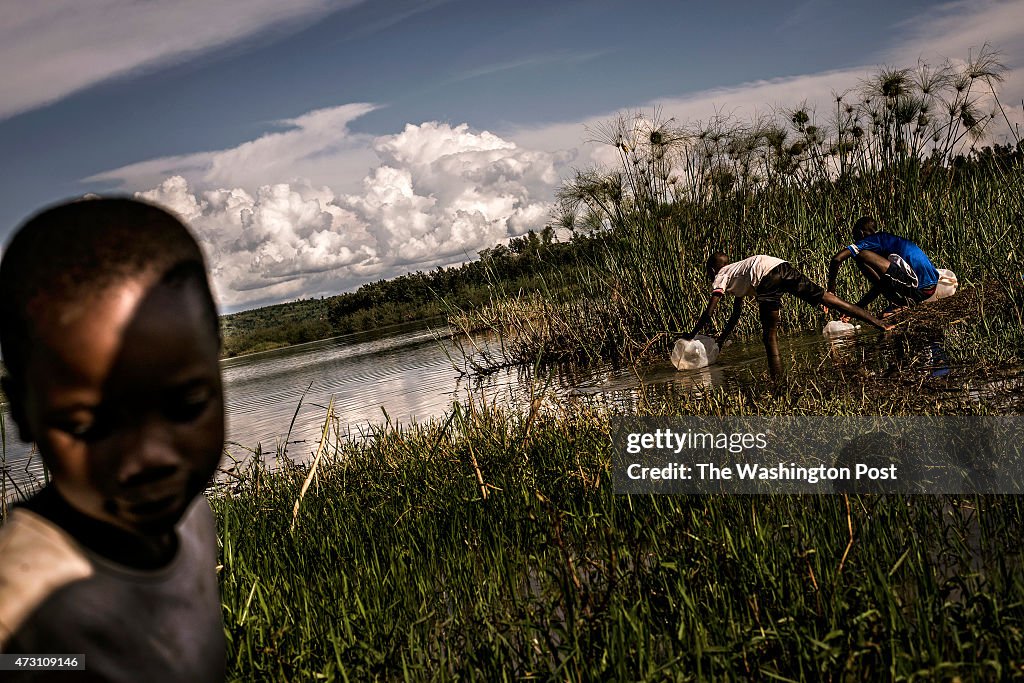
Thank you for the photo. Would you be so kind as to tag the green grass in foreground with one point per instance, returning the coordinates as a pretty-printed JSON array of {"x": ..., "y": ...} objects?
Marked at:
[{"x": 402, "y": 567}]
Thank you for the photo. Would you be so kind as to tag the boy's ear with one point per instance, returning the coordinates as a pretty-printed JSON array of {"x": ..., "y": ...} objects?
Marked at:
[{"x": 15, "y": 398}]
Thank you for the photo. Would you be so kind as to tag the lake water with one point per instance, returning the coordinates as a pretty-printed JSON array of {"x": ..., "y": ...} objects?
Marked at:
[{"x": 402, "y": 374}]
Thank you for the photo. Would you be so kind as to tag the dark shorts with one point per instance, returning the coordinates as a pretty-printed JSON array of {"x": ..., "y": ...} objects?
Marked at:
[
  {"x": 900, "y": 286},
  {"x": 785, "y": 279}
]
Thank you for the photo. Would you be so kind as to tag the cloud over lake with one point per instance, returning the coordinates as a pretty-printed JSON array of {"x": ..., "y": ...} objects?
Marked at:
[{"x": 436, "y": 195}]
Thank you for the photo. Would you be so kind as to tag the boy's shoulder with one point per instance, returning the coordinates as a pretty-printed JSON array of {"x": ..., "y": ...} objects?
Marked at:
[
  {"x": 880, "y": 237},
  {"x": 154, "y": 625},
  {"x": 37, "y": 558}
]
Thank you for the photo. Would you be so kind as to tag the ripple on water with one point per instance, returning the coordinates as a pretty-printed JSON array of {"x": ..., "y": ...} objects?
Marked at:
[{"x": 408, "y": 373}]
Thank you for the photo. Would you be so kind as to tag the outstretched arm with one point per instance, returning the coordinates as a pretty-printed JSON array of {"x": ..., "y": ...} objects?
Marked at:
[
  {"x": 705, "y": 319},
  {"x": 737, "y": 311},
  {"x": 833, "y": 268}
]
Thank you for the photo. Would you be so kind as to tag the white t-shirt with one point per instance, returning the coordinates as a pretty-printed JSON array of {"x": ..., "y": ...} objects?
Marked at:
[
  {"x": 57, "y": 597},
  {"x": 741, "y": 278}
]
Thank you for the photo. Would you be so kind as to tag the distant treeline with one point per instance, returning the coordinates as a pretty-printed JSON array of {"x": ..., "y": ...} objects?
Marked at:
[{"x": 521, "y": 265}]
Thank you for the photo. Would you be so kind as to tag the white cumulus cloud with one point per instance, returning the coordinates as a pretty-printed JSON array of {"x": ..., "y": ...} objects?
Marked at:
[{"x": 437, "y": 195}]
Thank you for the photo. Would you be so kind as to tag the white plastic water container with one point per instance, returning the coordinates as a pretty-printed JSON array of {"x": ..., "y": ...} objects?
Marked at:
[
  {"x": 837, "y": 328},
  {"x": 699, "y": 352},
  {"x": 947, "y": 285}
]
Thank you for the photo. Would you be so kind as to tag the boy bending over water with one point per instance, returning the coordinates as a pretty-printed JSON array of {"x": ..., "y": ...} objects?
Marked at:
[
  {"x": 767, "y": 278},
  {"x": 895, "y": 267},
  {"x": 110, "y": 341}
]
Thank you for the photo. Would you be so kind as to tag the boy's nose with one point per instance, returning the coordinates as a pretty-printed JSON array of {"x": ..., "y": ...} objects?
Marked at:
[{"x": 150, "y": 457}]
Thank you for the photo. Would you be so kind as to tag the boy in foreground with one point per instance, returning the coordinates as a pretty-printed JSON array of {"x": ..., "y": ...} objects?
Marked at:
[
  {"x": 110, "y": 342},
  {"x": 896, "y": 267},
  {"x": 767, "y": 279}
]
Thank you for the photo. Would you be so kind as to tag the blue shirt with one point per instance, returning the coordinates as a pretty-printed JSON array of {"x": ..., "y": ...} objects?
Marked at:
[{"x": 885, "y": 244}]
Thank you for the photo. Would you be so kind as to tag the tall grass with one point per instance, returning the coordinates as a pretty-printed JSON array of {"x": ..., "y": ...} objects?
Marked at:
[
  {"x": 489, "y": 546},
  {"x": 905, "y": 148}
]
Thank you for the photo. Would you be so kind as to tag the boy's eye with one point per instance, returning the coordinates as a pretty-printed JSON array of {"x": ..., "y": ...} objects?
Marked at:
[
  {"x": 187, "y": 405},
  {"x": 84, "y": 428},
  {"x": 76, "y": 429}
]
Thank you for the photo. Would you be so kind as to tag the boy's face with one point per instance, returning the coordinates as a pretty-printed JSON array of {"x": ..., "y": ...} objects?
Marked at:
[
  {"x": 124, "y": 399},
  {"x": 713, "y": 269}
]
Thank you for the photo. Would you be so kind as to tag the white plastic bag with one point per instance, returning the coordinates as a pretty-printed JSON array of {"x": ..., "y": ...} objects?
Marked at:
[
  {"x": 837, "y": 328},
  {"x": 947, "y": 285},
  {"x": 698, "y": 352}
]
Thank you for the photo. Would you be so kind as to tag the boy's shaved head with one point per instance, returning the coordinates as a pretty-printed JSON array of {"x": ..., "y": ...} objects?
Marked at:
[
  {"x": 717, "y": 261},
  {"x": 864, "y": 226},
  {"x": 110, "y": 343},
  {"x": 68, "y": 254}
]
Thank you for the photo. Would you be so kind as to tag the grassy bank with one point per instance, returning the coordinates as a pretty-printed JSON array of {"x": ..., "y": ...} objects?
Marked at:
[
  {"x": 489, "y": 546},
  {"x": 648, "y": 286}
]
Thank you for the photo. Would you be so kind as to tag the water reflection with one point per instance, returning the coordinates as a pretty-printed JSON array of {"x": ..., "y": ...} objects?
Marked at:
[
  {"x": 613, "y": 381},
  {"x": 277, "y": 400},
  {"x": 938, "y": 360}
]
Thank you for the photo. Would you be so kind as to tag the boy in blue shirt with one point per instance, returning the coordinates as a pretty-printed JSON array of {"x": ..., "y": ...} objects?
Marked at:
[{"x": 896, "y": 267}]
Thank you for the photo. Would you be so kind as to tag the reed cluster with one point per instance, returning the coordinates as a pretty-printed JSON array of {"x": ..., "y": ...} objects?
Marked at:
[{"x": 905, "y": 148}]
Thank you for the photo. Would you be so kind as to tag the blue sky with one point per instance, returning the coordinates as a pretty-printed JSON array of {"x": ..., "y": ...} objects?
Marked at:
[{"x": 324, "y": 144}]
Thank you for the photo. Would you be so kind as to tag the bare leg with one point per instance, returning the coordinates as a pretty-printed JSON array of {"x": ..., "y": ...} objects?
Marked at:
[
  {"x": 874, "y": 278},
  {"x": 873, "y": 266},
  {"x": 875, "y": 263},
  {"x": 833, "y": 301},
  {"x": 770, "y": 337},
  {"x": 872, "y": 271}
]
